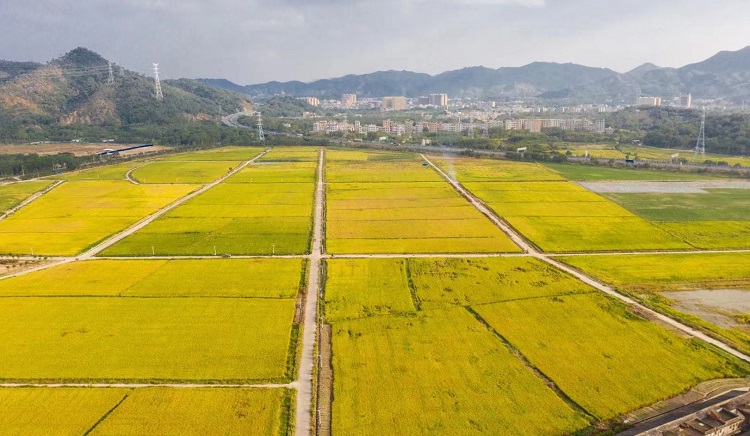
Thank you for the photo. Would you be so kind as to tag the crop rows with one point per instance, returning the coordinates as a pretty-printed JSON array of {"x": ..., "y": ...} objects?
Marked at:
[
  {"x": 387, "y": 202},
  {"x": 459, "y": 337}
]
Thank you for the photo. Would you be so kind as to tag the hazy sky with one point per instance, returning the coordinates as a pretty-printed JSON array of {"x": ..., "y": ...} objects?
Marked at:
[{"x": 251, "y": 41}]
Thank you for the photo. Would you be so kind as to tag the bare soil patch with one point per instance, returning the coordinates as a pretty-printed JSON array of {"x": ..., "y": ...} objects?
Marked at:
[{"x": 636, "y": 187}]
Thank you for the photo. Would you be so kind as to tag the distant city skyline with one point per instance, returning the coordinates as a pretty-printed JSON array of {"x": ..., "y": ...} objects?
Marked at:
[{"x": 255, "y": 41}]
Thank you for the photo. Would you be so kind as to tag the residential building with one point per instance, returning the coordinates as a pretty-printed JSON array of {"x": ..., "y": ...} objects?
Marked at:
[
  {"x": 440, "y": 100},
  {"x": 394, "y": 103},
  {"x": 312, "y": 101},
  {"x": 348, "y": 100},
  {"x": 649, "y": 101}
]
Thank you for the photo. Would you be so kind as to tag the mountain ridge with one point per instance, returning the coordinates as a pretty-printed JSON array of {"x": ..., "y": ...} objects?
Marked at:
[{"x": 726, "y": 75}]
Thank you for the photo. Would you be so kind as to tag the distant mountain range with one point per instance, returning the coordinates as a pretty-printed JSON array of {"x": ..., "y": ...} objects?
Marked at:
[{"x": 725, "y": 75}]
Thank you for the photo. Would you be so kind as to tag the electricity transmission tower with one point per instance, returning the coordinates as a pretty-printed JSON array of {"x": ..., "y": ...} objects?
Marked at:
[
  {"x": 111, "y": 77},
  {"x": 261, "y": 137},
  {"x": 700, "y": 146},
  {"x": 157, "y": 84}
]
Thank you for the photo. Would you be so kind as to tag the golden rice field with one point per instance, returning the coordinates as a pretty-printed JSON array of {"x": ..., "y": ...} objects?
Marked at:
[
  {"x": 150, "y": 320},
  {"x": 108, "y": 172},
  {"x": 389, "y": 214},
  {"x": 182, "y": 172},
  {"x": 667, "y": 272},
  {"x": 260, "y": 278},
  {"x": 491, "y": 170},
  {"x": 564, "y": 217},
  {"x": 276, "y": 172},
  {"x": 76, "y": 215},
  {"x": 452, "y": 377},
  {"x": 144, "y": 339},
  {"x": 251, "y": 213},
  {"x": 196, "y": 412},
  {"x": 437, "y": 329},
  {"x": 164, "y": 411},
  {"x": 659, "y": 280},
  {"x": 41, "y": 412},
  {"x": 292, "y": 154},
  {"x": 602, "y": 356},
  {"x": 13, "y": 194},
  {"x": 236, "y": 154},
  {"x": 467, "y": 282}
]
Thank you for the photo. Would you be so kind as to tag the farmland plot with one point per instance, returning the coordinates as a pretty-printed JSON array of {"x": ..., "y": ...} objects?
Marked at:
[
  {"x": 291, "y": 154},
  {"x": 709, "y": 291},
  {"x": 211, "y": 320},
  {"x": 479, "y": 170},
  {"x": 708, "y": 219},
  {"x": 263, "y": 278},
  {"x": 235, "y": 154},
  {"x": 594, "y": 172},
  {"x": 441, "y": 359},
  {"x": 401, "y": 206},
  {"x": 182, "y": 172},
  {"x": 145, "y": 339},
  {"x": 109, "y": 172},
  {"x": 13, "y": 194},
  {"x": 196, "y": 412},
  {"x": 65, "y": 412},
  {"x": 250, "y": 213},
  {"x": 400, "y": 322},
  {"x": 467, "y": 282},
  {"x": 605, "y": 358},
  {"x": 76, "y": 215},
  {"x": 562, "y": 216}
]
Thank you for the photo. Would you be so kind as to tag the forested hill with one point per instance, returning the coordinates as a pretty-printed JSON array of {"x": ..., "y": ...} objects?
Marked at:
[
  {"x": 679, "y": 128},
  {"x": 70, "y": 96}
]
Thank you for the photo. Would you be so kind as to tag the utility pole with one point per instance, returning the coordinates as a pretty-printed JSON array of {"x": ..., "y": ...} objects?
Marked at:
[
  {"x": 157, "y": 84},
  {"x": 111, "y": 77}
]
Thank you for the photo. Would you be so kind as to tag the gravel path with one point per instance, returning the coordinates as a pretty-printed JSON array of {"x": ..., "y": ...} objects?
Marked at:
[{"x": 306, "y": 365}]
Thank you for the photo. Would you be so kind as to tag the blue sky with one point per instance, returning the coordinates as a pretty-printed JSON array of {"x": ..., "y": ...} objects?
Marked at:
[{"x": 252, "y": 41}]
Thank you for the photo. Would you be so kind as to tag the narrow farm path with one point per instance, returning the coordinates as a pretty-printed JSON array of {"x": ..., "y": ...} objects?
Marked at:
[
  {"x": 129, "y": 174},
  {"x": 533, "y": 251},
  {"x": 307, "y": 361},
  {"x": 31, "y": 199}
]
